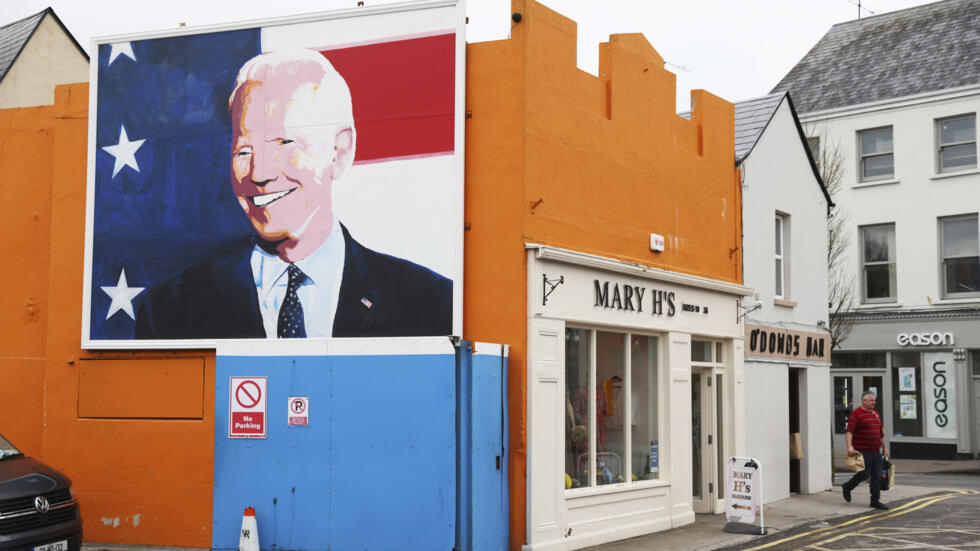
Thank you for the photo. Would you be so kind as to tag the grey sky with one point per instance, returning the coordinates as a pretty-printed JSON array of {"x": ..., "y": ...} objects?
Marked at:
[{"x": 736, "y": 49}]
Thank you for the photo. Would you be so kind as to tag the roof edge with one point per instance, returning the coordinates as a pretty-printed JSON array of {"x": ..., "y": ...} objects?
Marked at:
[
  {"x": 70, "y": 35},
  {"x": 764, "y": 127},
  {"x": 809, "y": 154}
]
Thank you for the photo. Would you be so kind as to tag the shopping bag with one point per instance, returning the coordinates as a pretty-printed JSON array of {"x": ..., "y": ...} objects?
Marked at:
[
  {"x": 795, "y": 446},
  {"x": 854, "y": 461},
  {"x": 887, "y": 475}
]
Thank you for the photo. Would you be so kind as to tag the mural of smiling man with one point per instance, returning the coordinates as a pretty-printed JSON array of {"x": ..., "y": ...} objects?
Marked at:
[{"x": 304, "y": 275}]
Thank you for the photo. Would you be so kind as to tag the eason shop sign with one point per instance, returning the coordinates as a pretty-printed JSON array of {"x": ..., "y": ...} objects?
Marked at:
[
  {"x": 939, "y": 394},
  {"x": 934, "y": 338}
]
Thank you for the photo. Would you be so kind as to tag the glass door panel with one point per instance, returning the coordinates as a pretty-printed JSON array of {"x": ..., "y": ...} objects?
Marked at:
[
  {"x": 873, "y": 384},
  {"x": 719, "y": 436},
  {"x": 843, "y": 402},
  {"x": 696, "y": 435}
]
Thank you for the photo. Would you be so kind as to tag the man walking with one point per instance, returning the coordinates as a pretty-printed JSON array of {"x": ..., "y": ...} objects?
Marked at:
[{"x": 864, "y": 434}]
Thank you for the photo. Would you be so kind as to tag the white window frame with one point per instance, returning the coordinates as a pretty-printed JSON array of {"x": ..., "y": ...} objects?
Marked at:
[
  {"x": 628, "y": 483},
  {"x": 946, "y": 293},
  {"x": 893, "y": 293},
  {"x": 779, "y": 244},
  {"x": 862, "y": 155},
  {"x": 940, "y": 145}
]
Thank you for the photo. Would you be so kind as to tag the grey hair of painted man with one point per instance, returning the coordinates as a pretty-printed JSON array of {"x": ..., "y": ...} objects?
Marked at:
[
  {"x": 867, "y": 393},
  {"x": 321, "y": 98}
]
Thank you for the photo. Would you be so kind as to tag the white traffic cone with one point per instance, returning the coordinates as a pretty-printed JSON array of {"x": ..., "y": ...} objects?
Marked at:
[{"x": 249, "y": 540}]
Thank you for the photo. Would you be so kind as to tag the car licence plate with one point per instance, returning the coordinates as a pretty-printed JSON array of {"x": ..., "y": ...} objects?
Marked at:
[{"x": 56, "y": 546}]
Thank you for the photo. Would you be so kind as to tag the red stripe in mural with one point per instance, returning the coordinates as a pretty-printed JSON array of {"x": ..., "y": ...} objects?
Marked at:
[{"x": 403, "y": 93}]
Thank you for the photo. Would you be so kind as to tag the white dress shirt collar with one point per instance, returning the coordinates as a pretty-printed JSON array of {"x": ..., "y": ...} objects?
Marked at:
[{"x": 318, "y": 294}]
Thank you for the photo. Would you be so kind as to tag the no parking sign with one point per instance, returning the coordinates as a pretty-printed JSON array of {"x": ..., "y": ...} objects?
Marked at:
[
  {"x": 247, "y": 407},
  {"x": 299, "y": 411}
]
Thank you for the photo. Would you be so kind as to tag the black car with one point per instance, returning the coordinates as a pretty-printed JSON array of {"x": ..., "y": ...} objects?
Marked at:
[{"x": 38, "y": 510}]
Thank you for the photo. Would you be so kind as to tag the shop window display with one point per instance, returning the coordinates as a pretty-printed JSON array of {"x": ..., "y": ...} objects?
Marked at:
[
  {"x": 645, "y": 452},
  {"x": 578, "y": 433},
  {"x": 611, "y": 408},
  {"x": 907, "y": 407},
  {"x": 610, "y": 437}
]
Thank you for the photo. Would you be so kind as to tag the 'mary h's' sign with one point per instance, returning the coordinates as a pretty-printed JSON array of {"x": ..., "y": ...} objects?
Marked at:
[{"x": 777, "y": 342}]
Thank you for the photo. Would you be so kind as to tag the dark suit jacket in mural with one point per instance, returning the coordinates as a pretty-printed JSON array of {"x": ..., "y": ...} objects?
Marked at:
[{"x": 216, "y": 299}]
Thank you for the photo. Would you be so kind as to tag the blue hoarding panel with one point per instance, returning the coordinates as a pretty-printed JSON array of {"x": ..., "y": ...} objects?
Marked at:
[
  {"x": 489, "y": 458},
  {"x": 394, "y": 456},
  {"x": 374, "y": 469}
]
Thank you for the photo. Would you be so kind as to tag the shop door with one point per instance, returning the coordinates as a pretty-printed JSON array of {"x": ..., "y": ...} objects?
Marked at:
[
  {"x": 847, "y": 390},
  {"x": 707, "y": 440}
]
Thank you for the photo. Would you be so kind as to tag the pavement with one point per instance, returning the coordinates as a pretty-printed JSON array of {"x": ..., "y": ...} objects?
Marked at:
[
  {"x": 814, "y": 509},
  {"x": 706, "y": 532}
]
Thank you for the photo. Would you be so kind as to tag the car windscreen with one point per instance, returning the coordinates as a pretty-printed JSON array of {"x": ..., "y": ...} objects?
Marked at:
[{"x": 7, "y": 449}]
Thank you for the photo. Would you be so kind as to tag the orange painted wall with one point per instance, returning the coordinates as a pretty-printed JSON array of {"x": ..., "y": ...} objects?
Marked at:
[
  {"x": 142, "y": 466},
  {"x": 557, "y": 156},
  {"x": 25, "y": 220}
]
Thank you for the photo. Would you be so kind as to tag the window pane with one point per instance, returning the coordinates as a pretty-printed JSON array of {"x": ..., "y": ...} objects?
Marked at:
[
  {"x": 876, "y": 141},
  {"x": 907, "y": 407},
  {"x": 843, "y": 399},
  {"x": 960, "y": 237},
  {"x": 696, "y": 434},
  {"x": 720, "y": 429},
  {"x": 879, "y": 243},
  {"x": 958, "y": 156},
  {"x": 880, "y": 281},
  {"x": 963, "y": 275},
  {"x": 700, "y": 351},
  {"x": 814, "y": 144},
  {"x": 610, "y": 364},
  {"x": 779, "y": 277},
  {"x": 957, "y": 130},
  {"x": 577, "y": 437},
  {"x": 975, "y": 354},
  {"x": 779, "y": 235},
  {"x": 878, "y": 166},
  {"x": 718, "y": 354},
  {"x": 858, "y": 360},
  {"x": 643, "y": 387}
]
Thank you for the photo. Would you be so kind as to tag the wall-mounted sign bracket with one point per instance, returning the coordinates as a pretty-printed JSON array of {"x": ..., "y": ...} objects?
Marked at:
[{"x": 548, "y": 286}]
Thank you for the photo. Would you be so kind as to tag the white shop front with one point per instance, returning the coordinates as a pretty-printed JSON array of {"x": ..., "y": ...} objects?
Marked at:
[{"x": 635, "y": 397}]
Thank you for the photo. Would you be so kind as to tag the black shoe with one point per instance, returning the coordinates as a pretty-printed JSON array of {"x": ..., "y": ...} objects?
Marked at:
[
  {"x": 847, "y": 494},
  {"x": 879, "y": 505}
]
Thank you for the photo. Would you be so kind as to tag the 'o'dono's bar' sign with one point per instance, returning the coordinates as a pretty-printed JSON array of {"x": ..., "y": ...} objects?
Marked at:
[{"x": 778, "y": 342}]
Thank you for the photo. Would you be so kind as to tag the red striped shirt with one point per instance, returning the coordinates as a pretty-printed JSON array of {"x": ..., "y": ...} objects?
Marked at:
[{"x": 865, "y": 425}]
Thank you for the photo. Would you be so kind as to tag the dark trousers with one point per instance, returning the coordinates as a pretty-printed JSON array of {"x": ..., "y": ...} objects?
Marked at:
[{"x": 872, "y": 469}]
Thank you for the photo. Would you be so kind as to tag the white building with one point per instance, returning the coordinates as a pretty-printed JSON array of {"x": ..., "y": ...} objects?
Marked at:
[
  {"x": 787, "y": 352},
  {"x": 898, "y": 94},
  {"x": 36, "y": 54}
]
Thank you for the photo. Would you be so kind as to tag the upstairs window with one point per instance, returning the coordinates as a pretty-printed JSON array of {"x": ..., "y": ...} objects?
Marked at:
[
  {"x": 957, "y": 143},
  {"x": 780, "y": 273},
  {"x": 813, "y": 142},
  {"x": 878, "y": 259},
  {"x": 876, "y": 154},
  {"x": 961, "y": 256}
]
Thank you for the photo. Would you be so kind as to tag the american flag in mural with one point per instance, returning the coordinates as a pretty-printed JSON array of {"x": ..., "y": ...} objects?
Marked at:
[{"x": 161, "y": 199}]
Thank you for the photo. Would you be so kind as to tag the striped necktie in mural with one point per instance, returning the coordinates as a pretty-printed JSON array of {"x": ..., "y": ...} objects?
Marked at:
[{"x": 291, "y": 323}]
